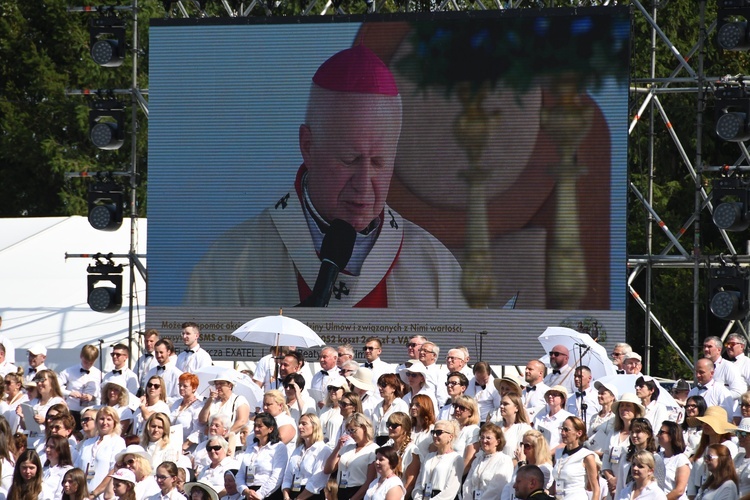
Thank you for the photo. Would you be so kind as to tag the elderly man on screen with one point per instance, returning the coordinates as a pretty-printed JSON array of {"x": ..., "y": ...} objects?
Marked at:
[{"x": 348, "y": 145}]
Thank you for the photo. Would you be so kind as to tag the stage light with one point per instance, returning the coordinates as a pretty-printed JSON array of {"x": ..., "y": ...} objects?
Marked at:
[
  {"x": 732, "y": 113},
  {"x": 731, "y": 200},
  {"x": 107, "y": 39},
  {"x": 733, "y": 36},
  {"x": 101, "y": 297},
  {"x": 107, "y": 124},
  {"x": 728, "y": 292},
  {"x": 105, "y": 206}
]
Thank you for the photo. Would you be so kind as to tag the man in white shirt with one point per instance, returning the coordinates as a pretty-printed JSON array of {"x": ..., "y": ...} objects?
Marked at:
[
  {"x": 120, "y": 355},
  {"x": 428, "y": 355},
  {"x": 80, "y": 383},
  {"x": 166, "y": 369},
  {"x": 585, "y": 394},
  {"x": 328, "y": 370},
  {"x": 549, "y": 420},
  {"x": 344, "y": 353},
  {"x": 710, "y": 389},
  {"x": 6, "y": 366},
  {"x": 632, "y": 363},
  {"x": 412, "y": 351},
  {"x": 533, "y": 393},
  {"x": 457, "y": 360},
  {"x": 265, "y": 369},
  {"x": 147, "y": 361},
  {"x": 724, "y": 371},
  {"x": 735, "y": 346},
  {"x": 378, "y": 367},
  {"x": 194, "y": 357},
  {"x": 618, "y": 356},
  {"x": 37, "y": 355},
  {"x": 561, "y": 373},
  {"x": 483, "y": 390}
]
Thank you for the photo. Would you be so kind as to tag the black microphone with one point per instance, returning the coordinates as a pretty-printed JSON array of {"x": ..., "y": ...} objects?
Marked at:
[{"x": 335, "y": 252}]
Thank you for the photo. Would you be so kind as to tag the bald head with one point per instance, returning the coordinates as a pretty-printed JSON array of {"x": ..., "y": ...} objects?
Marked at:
[{"x": 558, "y": 356}]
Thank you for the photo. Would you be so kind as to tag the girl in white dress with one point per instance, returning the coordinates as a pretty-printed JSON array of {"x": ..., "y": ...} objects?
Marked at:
[
  {"x": 388, "y": 485},
  {"x": 58, "y": 463},
  {"x": 575, "y": 467},
  {"x": 27, "y": 479}
]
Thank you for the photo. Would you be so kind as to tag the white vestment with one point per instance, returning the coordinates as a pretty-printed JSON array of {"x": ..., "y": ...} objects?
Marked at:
[{"x": 259, "y": 262}]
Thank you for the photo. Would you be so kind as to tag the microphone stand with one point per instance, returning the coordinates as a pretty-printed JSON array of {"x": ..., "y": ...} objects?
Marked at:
[{"x": 580, "y": 395}]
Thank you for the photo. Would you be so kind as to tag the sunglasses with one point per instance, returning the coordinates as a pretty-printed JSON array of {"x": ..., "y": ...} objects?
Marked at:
[
  {"x": 712, "y": 457},
  {"x": 527, "y": 446},
  {"x": 345, "y": 404},
  {"x": 690, "y": 406},
  {"x": 555, "y": 353},
  {"x": 410, "y": 374},
  {"x": 440, "y": 432},
  {"x": 334, "y": 388},
  {"x": 213, "y": 448},
  {"x": 459, "y": 408},
  {"x": 153, "y": 386},
  {"x": 743, "y": 434},
  {"x": 86, "y": 420},
  {"x": 393, "y": 425},
  {"x": 370, "y": 348},
  {"x": 452, "y": 384}
]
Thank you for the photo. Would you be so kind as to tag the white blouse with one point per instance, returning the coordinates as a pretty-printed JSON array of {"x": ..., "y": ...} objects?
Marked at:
[
  {"x": 650, "y": 492},
  {"x": 98, "y": 458},
  {"x": 488, "y": 474},
  {"x": 331, "y": 421},
  {"x": 353, "y": 464},
  {"x": 671, "y": 464},
  {"x": 513, "y": 437},
  {"x": 570, "y": 475},
  {"x": 380, "y": 417},
  {"x": 52, "y": 478},
  {"x": 305, "y": 468},
  {"x": 262, "y": 466},
  {"x": 467, "y": 436},
  {"x": 439, "y": 473},
  {"x": 379, "y": 491},
  {"x": 188, "y": 418}
]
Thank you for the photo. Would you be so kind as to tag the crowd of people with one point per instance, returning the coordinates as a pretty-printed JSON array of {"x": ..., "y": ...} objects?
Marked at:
[{"x": 372, "y": 430}]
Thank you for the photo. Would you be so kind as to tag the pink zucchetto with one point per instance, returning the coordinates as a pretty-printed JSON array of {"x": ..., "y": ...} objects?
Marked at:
[{"x": 356, "y": 69}]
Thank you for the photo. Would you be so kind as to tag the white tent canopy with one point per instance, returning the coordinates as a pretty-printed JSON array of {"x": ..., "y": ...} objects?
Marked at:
[{"x": 43, "y": 296}]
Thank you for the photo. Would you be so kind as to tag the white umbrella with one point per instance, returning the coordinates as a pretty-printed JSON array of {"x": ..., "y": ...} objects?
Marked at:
[
  {"x": 626, "y": 383},
  {"x": 583, "y": 350},
  {"x": 242, "y": 385},
  {"x": 278, "y": 330}
]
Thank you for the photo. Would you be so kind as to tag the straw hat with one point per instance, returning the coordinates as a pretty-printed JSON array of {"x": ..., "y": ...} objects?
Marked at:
[
  {"x": 512, "y": 380},
  {"x": 362, "y": 379},
  {"x": 629, "y": 397},
  {"x": 716, "y": 418},
  {"x": 558, "y": 388},
  {"x": 202, "y": 484}
]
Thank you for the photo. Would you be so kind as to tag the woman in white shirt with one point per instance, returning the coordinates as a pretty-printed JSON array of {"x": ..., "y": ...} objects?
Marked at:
[
  {"x": 304, "y": 478},
  {"x": 388, "y": 485},
  {"x": 466, "y": 414},
  {"x": 627, "y": 408},
  {"x": 575, "y": 467},
  {"x": 98, "y": 454},
  {"x": 721, "y": 483},
  {"x": 399, "y": 433},
  {"x": 185, "y": 410},
  {"x": 533, "y": 450},
  {"x": 676, "y": 463},
  {"x": 647, "y": 389},
  {"x": 155, "y": 440},
  {"x": 601, "y": 425},
  {"x": 330, "y": 414},
  {"x": 440, "y": 476},
  {"x": 422, "y": 420},
  {"x": 692, "y": 429},
  {"x": 49, "y": 394},
  {"x": 354, "y": 457},
  {"x": 415, "y": 377},
  {"x": 514, "y": 422},
  {"x": 491, "y": 469},
  {"x": 275, "y": 405},
  {"x": 644, "y": 485},
  {"x": 742, "y": 460},
  {"x": 14, "y": 396},
  {"x": 456, "y": 385},
  {"x": 389, "y": 386},
  {"x": 263, "y": 464},
  {"x": 27, "y": 479},
  {"x": 7, "y": 460},
  {"x": 217, "y": 448},
  {"x": 58, "y": 463},
  {"x": 223, "y": 400},
  {"x": 154, "y": 401}
]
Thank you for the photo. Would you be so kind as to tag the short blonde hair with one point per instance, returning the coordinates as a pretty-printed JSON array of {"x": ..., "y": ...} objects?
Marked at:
[
  {"x": 471, "y": 404},
  {"x": 110, "y": 412},
  {"x": 360, "y": 420}
]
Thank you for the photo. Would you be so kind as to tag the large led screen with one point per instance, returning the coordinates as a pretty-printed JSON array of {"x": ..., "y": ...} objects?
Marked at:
[{"x": 479, "y": 157}]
